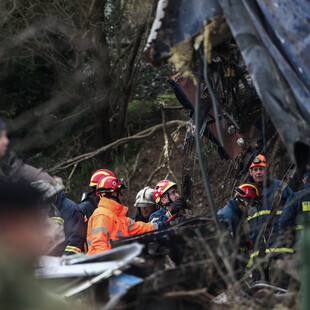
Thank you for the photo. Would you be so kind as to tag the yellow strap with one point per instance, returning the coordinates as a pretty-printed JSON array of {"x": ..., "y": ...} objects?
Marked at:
[
  {"x": 306, "y": 206},
  {"x": 263, "y": 212},
  {"x": 74, "y": 249},
  {"x": 59, "y": 220},
  {"x": 270, "y": 250},
  {"x": 154, "y": 219},
  {"x": 71, "y": 250},
  {"x": 299, "y": 227}
]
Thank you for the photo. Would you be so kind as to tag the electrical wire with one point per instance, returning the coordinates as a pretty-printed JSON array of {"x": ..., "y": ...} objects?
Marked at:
[
  {"x": 214, "y": 100},
  {"x": 201, "y": 159},
  {"x": 198, "y": 147}
]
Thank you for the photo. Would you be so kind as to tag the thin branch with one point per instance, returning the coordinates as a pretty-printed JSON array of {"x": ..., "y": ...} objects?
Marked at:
[
  {"x": 154, "y": 172},
  {"x": 140, "y": 135},
  {"x": 70, "y": 176}
]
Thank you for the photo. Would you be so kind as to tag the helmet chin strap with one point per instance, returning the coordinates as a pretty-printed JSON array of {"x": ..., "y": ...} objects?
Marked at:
[
  {"x": 169, "y": 202},
  {"x": 110, "y": 196},
  {"x": 242, "y": 202},
  {"x": 118, "y": 193}
]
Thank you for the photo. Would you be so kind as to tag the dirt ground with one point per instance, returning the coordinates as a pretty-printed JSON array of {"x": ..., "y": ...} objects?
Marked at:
[{"x": 151, "y": 157}]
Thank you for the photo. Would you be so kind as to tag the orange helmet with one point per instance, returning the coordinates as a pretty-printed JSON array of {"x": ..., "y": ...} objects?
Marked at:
[
  {"x": 161, "y": 187},
  {"x": 97, "y": 175},
  {"x": 108, "y": 184},
  {"x": 259, "y": 161},
  {"x": 248, "y": 190}
]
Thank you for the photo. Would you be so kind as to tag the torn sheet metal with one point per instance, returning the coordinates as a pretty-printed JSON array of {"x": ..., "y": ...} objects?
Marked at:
[
  {"x": 57, "y": 267},
  {"x": 274, "y": 41},
  {"x": 177, "y": 21},
  {"x": 273, "y": 38},
  {"x": 185, "y": 91}
]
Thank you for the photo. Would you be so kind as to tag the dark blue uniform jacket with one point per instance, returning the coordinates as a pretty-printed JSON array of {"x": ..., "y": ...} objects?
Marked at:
[
  {"x": 74, "y": 224},
  {"x": 161, "y": 215},
  {"x": 296, "y": 209},
  {"x": 232, "y": 213},
  {"x": 257, "y": 216}
]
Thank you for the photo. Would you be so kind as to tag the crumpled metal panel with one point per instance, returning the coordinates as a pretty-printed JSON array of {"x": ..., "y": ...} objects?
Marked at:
[
  {"x": 176, "y": 21},
  {"x": 273, "y": 66},
  {"x": 289, "y": 20},
  {"x": 285, "y": 32},
  {"x": 273, "y": 37},
  {"x": 86, "y": 266}
]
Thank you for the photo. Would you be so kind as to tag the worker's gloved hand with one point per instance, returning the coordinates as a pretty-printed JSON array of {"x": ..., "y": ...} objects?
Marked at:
[
  {"x": 179, "y": 204},
  {"x": 48, "y": 189},
  {"x": 163, "y": 225}
]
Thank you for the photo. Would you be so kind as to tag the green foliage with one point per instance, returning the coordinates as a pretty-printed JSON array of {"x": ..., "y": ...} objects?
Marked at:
[
  {"x": 24, "y": 83},
  {"x": 142, "y": 114}
]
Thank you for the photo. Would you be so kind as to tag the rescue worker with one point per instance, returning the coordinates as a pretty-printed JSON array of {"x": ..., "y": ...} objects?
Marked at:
[
  {"x": 145, "y": 204},
  {"x": 167, "y": 197},
  {"x": 247, "y": 195},
  {"x": 72, "y": 218},
  {"x": 90, "y": 200},
  {"x": 297, "y": 209},
  {"x": 109, "y": 220},
  {"x": 259, "y": 216}
]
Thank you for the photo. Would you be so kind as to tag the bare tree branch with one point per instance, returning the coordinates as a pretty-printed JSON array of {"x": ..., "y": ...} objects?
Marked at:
[{"x": 140, "y": 135}]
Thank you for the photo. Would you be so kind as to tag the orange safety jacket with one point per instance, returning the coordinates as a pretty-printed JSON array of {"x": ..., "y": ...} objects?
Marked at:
[{"x": 109, "y": 222}]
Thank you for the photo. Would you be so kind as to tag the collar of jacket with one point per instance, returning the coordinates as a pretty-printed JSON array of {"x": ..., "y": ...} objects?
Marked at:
[
  {"x": 113, "y": 206},
  {"x": 236, "y": 207}
]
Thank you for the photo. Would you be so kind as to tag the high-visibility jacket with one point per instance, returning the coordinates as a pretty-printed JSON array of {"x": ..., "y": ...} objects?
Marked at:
[{"x": 109, "y": 222}]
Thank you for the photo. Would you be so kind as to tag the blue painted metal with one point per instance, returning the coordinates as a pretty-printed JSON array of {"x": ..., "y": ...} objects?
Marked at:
[
  {"x": 284, "y": 27},
  {"x": 274, "y": 39},
  {"x": 278, "y": 64}
]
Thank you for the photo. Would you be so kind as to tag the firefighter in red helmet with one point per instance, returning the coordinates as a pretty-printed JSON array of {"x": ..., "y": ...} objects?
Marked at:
[
  {"x": 247, "y": 195},
  {"x": 109, "y": 221},
  {"x": 167, "y": 197}
]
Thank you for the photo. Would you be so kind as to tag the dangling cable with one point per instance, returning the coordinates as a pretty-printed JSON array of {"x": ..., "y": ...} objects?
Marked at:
[
  {"x": 202, "y": 164},
  {"x": 214, "y": 100},
  {"x": 264, "y": 130},
  {"x": 198, "y": 146}
]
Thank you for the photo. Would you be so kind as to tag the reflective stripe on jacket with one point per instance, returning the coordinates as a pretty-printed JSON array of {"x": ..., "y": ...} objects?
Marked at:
[
  {"x": 296, "y": 210},
  {"x": 161, "y": 215},
  {"x": 258, "y": 216},
  {"x": 109, "y": 222},
  {"x": 73, "y": 220}
]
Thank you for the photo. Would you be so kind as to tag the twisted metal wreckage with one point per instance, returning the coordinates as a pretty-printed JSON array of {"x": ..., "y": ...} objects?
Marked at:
[{"x": 239, "y": 65}]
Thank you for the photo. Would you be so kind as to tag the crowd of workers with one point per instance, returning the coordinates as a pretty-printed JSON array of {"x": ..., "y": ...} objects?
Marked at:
[{"x": 91, "y": 225}]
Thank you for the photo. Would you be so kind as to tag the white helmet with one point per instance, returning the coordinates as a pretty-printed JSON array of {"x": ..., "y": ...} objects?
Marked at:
[{"x": 145, "y": 197}]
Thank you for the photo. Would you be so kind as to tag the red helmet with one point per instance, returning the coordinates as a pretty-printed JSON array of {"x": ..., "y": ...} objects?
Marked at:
[
  {"x": 97, "y": 175},
  {"x": 161, "y": 187},
  {"x": 248, "y": 190},
  {"x": 108, "y": 184},
  {"x": 259, "y": 161}
]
